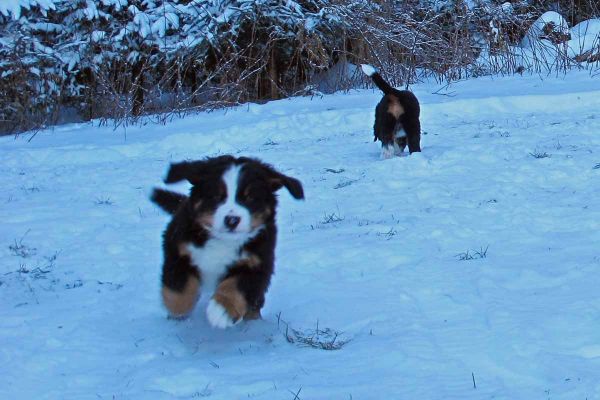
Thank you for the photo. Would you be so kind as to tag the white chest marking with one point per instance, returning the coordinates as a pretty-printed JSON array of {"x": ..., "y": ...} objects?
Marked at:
[
  {"x": 400, "y": 133},
  {"x": 213, "y": 259}
]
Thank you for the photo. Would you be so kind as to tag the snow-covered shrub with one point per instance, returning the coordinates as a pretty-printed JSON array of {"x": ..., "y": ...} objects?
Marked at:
[
  {"x": 521, "y": 38},
  {"x": 543, "y": 46},
  {"x": 584, "y": 45},
  {"x": 30, "y": 82},
  {"x": 125, "y": 58}
]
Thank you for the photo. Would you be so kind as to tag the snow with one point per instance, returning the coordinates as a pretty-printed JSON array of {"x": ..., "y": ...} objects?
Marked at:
[
  {"x": 98, "y": 35},
  {"x": 585, "y": 36},
  {"x": 536, "y": 53},
  {"x": 535, "y": 49},
  {"x": 8, "y": 7},
  {"x": 342, "y": 74},
  {"x": 507, "y": 7},
  {"x": 368, "y": 69},
  {"x": 531, "y": 39},
  {"x": 468, "y": 271}
]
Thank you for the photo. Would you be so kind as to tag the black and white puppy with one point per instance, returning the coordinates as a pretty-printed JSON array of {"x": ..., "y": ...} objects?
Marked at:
[
  {"x": 396, "y": 117},
  {"x": 221, "y": 240}
]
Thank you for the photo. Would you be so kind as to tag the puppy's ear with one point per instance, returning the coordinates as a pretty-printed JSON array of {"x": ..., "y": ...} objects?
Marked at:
[
  {"x": 195, "y": 171},
  {"x": 293, "y": 185},
  {"x": 167, "y": 200},
  {"x": 277, "y": 179},
  {"x": 180, "y": 171}
]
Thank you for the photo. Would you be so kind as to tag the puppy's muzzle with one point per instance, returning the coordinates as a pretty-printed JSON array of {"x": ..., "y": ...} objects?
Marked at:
[{"x": 232, "y": 221}]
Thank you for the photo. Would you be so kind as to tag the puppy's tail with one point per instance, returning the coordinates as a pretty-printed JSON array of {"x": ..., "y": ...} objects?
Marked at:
[
  {"x": 377, "y": 79},
  {"x": 167, "y": 200}
]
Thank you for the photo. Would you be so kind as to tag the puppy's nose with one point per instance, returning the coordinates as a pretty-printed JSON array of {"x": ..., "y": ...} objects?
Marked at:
[{"x": 232, "y": 221}]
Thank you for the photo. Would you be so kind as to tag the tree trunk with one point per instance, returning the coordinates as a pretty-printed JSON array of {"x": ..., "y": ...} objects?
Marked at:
[{"x": 273, "y": 75}]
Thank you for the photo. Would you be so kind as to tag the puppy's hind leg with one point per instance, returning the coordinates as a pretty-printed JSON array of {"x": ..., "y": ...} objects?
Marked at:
[{"x": 412, "y": 127}]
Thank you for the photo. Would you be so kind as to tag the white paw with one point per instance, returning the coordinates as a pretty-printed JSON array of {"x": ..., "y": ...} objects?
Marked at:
[
  {"x": 387, "y": 152},
  {"x": 397, "y": 150},
  {"x": 217, "y": 315}
]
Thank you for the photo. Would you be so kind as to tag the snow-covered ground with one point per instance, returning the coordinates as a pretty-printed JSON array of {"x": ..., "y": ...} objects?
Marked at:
[{"x": 470, "y": 271}]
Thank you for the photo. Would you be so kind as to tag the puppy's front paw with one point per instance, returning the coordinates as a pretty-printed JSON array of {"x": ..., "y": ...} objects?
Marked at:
[
  {"x": 218, "y": 316},
  {"x": 228, "y": 306},
  {"x": 387, "y": 152},
  {"x": 398, "y": 151}
]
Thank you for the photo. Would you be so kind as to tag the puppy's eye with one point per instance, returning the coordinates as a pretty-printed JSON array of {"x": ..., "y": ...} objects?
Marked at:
[
  {"x": 217, "y": 194},
  {"x": 250, "y": 194},
  {"x": 252, "y": 197}
]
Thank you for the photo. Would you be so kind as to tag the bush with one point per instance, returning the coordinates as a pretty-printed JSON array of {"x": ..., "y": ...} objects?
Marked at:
[{"x": 121, "y": 59}]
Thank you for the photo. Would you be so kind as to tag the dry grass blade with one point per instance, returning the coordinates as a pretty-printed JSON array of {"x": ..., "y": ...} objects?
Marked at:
[{"x": 318, "y": 338}]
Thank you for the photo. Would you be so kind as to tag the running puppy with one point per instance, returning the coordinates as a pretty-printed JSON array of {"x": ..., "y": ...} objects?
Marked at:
[
  {"x": 396, "y": 118},
  {"x": 221, "y": 239}
]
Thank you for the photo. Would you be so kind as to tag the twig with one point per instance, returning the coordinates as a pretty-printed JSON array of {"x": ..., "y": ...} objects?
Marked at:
[{"x": 296, "y": 395}]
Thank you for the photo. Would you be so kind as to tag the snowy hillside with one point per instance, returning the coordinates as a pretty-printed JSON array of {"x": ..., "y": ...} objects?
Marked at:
[{"x": 470, "y": 271}]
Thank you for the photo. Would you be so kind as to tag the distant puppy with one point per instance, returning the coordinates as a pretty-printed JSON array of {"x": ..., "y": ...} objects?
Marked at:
[
  {"x": 396, "y": 117},
  {"x": 221, "y": 239}
]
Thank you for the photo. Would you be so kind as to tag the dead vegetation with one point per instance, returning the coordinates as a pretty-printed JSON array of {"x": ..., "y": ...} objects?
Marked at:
[
  {"x": 119, "y": 74},
  {"x": 316, "y": 338}
]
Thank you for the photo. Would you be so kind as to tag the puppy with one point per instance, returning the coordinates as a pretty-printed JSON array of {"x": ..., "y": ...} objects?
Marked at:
[
  {"x": 221, "y": 240},
  {"x": 396, "y": 118}
]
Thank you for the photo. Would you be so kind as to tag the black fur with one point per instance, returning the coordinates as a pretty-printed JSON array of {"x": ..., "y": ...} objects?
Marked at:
[
  {"x": 167, "y": 200},
  {"x": 256, "y": 192},
  {"x": 387, "y": 126}
]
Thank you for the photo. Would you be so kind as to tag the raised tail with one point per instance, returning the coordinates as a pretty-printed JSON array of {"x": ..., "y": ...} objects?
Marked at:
[
  {"x": 167, "y": 200},
  {"x": 379, "y": 82}
]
